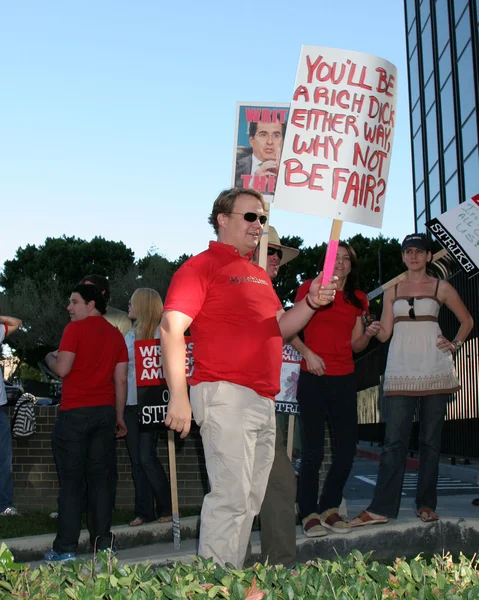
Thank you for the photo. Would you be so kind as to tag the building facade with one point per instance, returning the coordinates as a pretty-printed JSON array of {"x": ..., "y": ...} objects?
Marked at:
[{"x": 443, "y": 59}]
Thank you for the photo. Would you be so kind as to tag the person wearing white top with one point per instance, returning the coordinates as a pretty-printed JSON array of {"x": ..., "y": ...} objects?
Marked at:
[{"x": 151, "y": 483}]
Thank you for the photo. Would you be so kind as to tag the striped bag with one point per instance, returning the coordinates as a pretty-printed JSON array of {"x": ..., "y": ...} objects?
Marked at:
[{"x": 23, "y": 421}]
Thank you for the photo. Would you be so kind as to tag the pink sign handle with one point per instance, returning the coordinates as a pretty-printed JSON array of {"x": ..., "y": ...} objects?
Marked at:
[{"x": 330, "y": 260}]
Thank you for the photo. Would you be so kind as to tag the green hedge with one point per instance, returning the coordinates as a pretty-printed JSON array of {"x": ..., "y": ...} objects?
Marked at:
[{"x": 356, "y": 576}]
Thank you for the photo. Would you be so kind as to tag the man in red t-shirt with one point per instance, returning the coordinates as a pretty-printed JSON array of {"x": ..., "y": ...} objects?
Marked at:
[
  {"x": 237, "y": 325},
  {"x": 92, "y": 360}
]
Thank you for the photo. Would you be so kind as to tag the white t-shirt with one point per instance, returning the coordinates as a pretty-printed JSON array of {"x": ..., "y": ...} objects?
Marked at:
[
  {"x": 3, "y": 393},
  {"x": 132, "y": 399}
]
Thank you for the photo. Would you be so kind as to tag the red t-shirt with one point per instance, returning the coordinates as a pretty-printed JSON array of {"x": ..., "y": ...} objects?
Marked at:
[
  {"x": 235, "y": 331},
  {"x": 328, "y": 334},
  {"x": 98, "y": 348}
]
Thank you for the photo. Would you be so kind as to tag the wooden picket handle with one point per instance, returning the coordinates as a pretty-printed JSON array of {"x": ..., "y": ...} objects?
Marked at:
[{"x": 174, "y": 490}]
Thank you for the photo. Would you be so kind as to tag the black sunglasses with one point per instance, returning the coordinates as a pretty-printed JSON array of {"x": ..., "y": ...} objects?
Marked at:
[
  {"x": 412, "y": 314},
  {"x": 251, "y": 217},
  {"x": 273, "y": 251}
]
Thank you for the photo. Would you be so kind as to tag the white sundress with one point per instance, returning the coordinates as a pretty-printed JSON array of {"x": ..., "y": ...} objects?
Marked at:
[{"x": 415, "y": 366}]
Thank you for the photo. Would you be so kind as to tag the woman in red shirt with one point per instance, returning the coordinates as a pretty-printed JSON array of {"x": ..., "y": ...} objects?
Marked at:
[{"x": 327, "y": 389}]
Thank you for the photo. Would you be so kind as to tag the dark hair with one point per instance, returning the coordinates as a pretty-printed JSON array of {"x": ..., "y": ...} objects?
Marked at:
[
  {"x": 253, "y": 127},
  {"x": 91, "y": 292},
  {"x": 224, "y": 204},
  {"x": 352, "y": 280},
  {"x": 101, "y": 283}
]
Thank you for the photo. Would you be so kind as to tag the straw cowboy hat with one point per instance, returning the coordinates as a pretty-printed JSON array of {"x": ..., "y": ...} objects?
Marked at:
[{"x": 288, "y": 253}]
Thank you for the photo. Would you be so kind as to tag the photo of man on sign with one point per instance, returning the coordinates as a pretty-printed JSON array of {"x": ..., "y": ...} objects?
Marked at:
[{"x": 260, "y": 131}]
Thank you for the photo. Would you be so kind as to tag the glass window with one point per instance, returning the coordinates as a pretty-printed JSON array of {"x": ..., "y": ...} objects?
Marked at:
[
  {"x": 459, "y": 6},
  {"x": 467, "y": 99},
  {"x": 426, "y": 41},
  {"x": 412, "y": 38},
  {"x": 416, "y": 117},
  {"x": 429, "y": 94},
  {"x": 418, "y": 159},
  {"x": 420, "y": 199},
  {"x": 450, "y": 161},
  {"x": 463, "y": 32},
  {"x": 435, "y": 207},
  {"x": 442, "y": 24},
  {"x": 445, "y": 65},
  {"x": 447, "y": 112},
  {"x": 434, "y": 182},
  {"x": 471, "y": 175},
  {"x": 469, "y": 134},
  {"x": 452, "y": 193},
  {"x": 431, "y": 137},
  {"x": 410, "y": 12},
  {"x": 420, "y": 223},
  {"x": 424, "y": 14},
  {"x": 414, "y": 77}
]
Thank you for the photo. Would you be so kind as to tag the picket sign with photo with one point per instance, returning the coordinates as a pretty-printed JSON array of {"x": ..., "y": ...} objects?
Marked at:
[
  {"x": 153, "y": 398},
  {"x": 457, "y": 230}
]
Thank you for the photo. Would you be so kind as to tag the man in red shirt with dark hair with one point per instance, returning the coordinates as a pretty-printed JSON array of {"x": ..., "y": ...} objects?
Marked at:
[
  {"x": 237, "y": 324},
  {"x": 92, "y": 360}
]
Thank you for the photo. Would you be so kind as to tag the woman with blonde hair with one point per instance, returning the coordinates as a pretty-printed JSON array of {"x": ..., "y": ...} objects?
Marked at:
[{"x": 151, "y": 483}]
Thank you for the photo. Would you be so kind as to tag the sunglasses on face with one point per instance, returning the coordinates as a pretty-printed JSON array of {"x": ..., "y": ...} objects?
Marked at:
[
  {"x": 273, "y": 251},
  {"x": 412, "y": 314},
  {"x": 251, "y": 217}
]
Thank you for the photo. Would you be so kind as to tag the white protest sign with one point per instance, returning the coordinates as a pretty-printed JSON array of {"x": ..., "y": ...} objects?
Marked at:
[
  {"x": 457, "y": 230},
  {"x": 338, "y": 141},
  {"x": 285, "y": 401}
]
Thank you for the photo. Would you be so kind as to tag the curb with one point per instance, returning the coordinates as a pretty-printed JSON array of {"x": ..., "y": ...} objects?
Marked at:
[
  {"x": 411, "y": 463},
  {"x": 33, "y": 548}
]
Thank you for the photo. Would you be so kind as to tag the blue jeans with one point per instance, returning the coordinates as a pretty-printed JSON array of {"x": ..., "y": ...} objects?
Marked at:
[
  {"x": 399, "y": 419},
  {"x": 6, "y": 477},
  {"x": 151, "y": 482},
  {"x": 321, "y": 398},
  {"x": 84, "y": 446}
]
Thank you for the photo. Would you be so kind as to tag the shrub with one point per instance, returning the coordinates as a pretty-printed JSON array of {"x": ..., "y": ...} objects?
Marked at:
[{"x": 355, "y": 576}]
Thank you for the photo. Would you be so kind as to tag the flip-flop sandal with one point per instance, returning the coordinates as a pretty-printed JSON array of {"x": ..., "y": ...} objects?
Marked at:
[
  {"x": 165, "y": 519},
  {"x": 366, "y": 519},
  {"x": 427, "y": 515},
  {"x": 137, "y": 521}
]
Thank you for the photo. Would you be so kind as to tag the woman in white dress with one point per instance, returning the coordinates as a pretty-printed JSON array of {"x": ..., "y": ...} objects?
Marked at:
[{"x": 419, "y": 371}]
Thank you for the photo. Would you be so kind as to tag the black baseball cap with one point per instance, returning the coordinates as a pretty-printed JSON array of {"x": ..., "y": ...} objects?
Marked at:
[{"x": 416, "y": 240}]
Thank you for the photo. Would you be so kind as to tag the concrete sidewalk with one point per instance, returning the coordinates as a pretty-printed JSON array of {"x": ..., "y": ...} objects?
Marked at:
[{"x": 456, "y": 531}]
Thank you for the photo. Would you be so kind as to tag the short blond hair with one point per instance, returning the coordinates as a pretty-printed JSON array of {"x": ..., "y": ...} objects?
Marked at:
[{"x": 224, "y": 204}]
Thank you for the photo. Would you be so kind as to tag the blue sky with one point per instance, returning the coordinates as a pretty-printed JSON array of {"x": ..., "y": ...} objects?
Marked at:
[{"x": 117, "y": 117}]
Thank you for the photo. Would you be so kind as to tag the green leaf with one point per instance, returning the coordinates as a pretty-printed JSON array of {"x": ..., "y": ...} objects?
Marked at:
[{"x": 417, "y": 571}]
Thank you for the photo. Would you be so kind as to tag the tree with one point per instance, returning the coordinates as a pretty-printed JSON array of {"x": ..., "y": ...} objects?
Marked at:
[
  {"x": 38, "y": 282},
  {"x": 66, "y": 260},
  {"x": 305, "y": 266}
]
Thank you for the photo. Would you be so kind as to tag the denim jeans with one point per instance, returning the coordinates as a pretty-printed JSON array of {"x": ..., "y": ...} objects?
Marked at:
[
  {"x": 319, "y": 398},
  {"x": 399, "y": 419},
  {"x": 84, "y": 446},
  {"x": 6, "y": 477},
  {"x": 151, "y": 481}
]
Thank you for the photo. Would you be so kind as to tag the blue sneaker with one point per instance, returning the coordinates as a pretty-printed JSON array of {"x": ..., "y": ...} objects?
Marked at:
[{"x": 53, "y": 556}]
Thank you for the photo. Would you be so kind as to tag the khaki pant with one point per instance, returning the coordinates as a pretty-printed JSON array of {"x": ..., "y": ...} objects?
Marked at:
[{"x": 238, "y": 430}]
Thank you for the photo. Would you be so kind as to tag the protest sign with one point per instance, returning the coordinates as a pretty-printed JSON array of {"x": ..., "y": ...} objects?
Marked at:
[
  {"x": 152, "y": 391},
  {"x": 285, "y": 401},
  {"x": 339, "y": 135},
  {"x": 259, "y": 137},
  {"x": 457, "y": 230}
]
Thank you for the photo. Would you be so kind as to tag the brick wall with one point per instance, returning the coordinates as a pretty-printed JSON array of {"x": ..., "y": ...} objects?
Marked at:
[{"x": 35, "y": 476}]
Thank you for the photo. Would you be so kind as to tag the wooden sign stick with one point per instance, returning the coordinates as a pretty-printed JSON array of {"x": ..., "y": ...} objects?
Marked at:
[
  {"x": 174, "y": 490},
  {"x": 328, "y": 268},
  {"x": 263, "y": 243}
]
